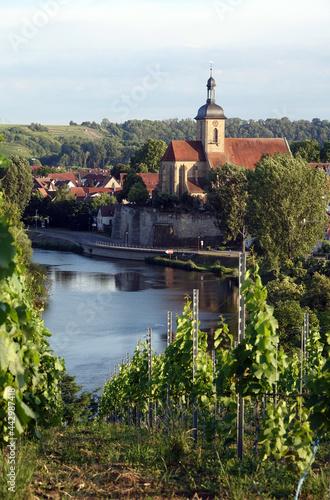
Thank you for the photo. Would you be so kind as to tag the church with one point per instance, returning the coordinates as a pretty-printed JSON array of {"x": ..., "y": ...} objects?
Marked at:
[{"x": 186, "y": 164}]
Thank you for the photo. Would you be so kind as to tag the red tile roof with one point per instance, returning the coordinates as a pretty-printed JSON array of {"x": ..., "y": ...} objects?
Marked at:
[
  {"x": 320, "y": 165},
  {"x": 184, "y": 151},
  {"x": 79, "y": 192},
  {"x": 151, "y": 180},
  {"x": 194, "y": 187},
  {"x": 107, "y": 211},
  {"x": 69, "y": 176},
  {"x": 91, "y": 191},
  {"x": 247, "y": 152},
  {"x": 43, "y": 191}
]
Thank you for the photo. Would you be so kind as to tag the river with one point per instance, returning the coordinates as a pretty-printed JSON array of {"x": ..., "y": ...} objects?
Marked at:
[{"x": 99, "y": 309}]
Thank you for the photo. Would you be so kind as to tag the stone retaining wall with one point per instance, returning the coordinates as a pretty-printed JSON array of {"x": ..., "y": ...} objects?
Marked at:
[{"x": 149, "y": 227}]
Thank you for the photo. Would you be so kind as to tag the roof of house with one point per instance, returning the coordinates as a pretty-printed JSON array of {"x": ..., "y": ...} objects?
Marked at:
[
  {"x": 320, "y": 165},
  {"x": 79, "y": 192},
  {"x": 195, "y": 187},
  {"x": 151, "y": 180},
  {"x": 184, "y": 151},
  {"x": 247, "y": 152},
  {"x": 68, "y": 176},
  {"x": 92, "y": 190},
  {"x": 107, "y": 211},
  {"x": 43, "y": 182},
  {"x": 43, "y": 191}
]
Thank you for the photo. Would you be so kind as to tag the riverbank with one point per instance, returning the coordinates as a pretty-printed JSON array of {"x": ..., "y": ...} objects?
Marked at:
[
  {"x": 221, "y": 263},
  {"x": 226, "y": 266}
]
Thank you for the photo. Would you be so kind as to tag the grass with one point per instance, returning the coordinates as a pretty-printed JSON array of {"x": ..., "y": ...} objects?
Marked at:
[
  {"x": 200, "y": 263},
  {"x": 93, "y": 461},
  {"x": 61, "y": 247}
]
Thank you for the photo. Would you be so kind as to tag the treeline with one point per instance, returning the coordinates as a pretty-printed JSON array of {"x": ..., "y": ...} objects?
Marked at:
[
  {"x": 114, "y": 143},
  {"x": 300, "y": 130}
]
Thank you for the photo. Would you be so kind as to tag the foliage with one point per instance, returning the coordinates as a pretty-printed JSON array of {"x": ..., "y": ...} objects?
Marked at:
[
  {"x": 290, "y": 317},
  {"x": 149, "y": 154},
  {"x": 138, "y": 194},
  {"x": 131, "y": 179},
  {"x": 37, "y": 127},
  {"x": 257, "y": 366},
  {"x": 287, "y": 200},
  {"x": 309, "y": 150},
  {"x": 227, "y": 189},
  {"x": 16, "y": 181},
  {"x": 29, "y": 371},
  {"x": 77, "y": 405},
  {"x": 166, "y": 201},
  {"x": 104, "y": 199}
]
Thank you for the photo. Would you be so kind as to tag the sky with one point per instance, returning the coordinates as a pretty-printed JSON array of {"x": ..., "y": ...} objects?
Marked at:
[{"x": 85, "y": 60}]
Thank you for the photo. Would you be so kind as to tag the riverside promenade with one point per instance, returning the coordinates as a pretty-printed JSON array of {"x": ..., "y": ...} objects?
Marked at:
[{"x": 95, "y": 245}]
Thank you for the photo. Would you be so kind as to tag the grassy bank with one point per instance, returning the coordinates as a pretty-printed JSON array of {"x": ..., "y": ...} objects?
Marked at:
[
  {"x": 224, "y": 266},
  {"x": 57, "y": 245},
  {"x": 115, "y": 461}
]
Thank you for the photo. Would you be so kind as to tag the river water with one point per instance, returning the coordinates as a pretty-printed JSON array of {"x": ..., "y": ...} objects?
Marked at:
[{"x": 99, "y": 309}]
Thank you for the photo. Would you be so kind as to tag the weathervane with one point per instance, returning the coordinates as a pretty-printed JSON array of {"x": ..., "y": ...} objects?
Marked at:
[{"x": 211, "y": 68}]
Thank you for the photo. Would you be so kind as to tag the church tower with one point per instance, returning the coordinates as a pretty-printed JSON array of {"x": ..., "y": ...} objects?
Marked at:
[{"x": 211, "y": 122}]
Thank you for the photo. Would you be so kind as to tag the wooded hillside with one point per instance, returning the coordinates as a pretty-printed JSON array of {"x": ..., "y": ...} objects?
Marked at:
[{"x": 100, "y": 145}]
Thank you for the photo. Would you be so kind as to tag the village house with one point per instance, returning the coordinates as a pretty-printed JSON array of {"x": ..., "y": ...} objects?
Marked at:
[
  {"x": 104, "y": 219},
  {"x": 186, "y": 164}
]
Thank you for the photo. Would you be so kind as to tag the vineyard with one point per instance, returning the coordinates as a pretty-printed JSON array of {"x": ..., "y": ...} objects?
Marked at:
[{"x": 239, "y": 395}]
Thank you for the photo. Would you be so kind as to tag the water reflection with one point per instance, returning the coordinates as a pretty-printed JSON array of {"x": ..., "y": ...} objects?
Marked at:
[
  {"x": 95, "y": 318},
  {"x": 130, "y": 282}
]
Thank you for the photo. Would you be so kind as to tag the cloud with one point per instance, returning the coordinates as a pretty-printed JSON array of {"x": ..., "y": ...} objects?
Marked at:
[{"x": 77, "y": 62}]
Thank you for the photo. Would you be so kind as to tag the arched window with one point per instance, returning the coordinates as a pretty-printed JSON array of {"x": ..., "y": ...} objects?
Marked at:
[{"x": 215, "y": 135}]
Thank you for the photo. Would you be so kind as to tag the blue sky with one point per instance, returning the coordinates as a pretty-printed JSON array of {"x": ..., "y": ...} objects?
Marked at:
[{"x": 80, "y": 60}]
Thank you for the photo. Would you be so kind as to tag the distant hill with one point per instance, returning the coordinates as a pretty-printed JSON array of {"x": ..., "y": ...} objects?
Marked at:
[{"x": 100, "y": 145}]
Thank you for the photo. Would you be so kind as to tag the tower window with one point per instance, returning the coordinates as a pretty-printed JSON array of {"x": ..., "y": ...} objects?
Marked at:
[{"x": 215, "y": 135}]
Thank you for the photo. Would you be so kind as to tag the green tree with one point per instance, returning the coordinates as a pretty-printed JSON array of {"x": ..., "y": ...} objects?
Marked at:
[
  {"x": 290, "y": 317},
  {"x": 166, "y": 201},
  {"x": 118, "y": 169},
  {"x": 96, "y": 202},
  {"x": 138, "y": 194},
  {"x": 16, "y": 181},
  {"x": 227, "y": 189},
  {"x": 308, "y": 150},
  {"x": 131, "y": 178},
  {"x": 325, "y": 152},
  {"x": 286, "y": 208},
  {"x": 148, "y": 155}
]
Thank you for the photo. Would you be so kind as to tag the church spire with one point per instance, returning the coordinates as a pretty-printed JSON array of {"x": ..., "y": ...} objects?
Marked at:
[{"x": 211, "y": 86}]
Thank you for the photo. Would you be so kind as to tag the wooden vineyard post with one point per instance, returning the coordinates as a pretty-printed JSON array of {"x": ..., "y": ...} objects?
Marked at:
[
  {"x": 214, "y": 361},
  {"x": 128, "y": 403},
  {"x": 169, "y": 342},
  {"x": 241, "y": 336},
  {"x": 149, "y": 375},
  {"x": 195, "y": 353}
]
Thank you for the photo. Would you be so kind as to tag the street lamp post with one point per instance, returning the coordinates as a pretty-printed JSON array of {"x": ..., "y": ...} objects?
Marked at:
[
  {"x": 126, "y": 238},
  {"x": 36, "y": 218}
]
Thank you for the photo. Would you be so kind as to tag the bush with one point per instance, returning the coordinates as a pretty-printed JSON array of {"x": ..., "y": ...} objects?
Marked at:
[{"x": 325, "y": 247}]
